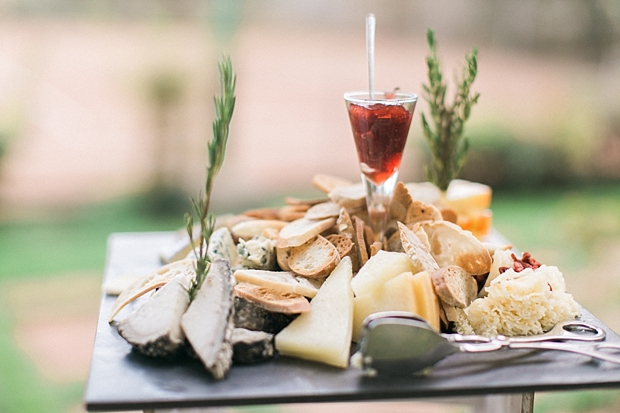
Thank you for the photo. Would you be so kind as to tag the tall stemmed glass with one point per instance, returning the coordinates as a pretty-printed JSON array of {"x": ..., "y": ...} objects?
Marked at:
[{"x": 380, "y": 127}]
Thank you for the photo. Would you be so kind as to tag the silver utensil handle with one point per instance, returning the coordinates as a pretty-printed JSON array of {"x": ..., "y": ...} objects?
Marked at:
[{"x": 586, "y": 350}]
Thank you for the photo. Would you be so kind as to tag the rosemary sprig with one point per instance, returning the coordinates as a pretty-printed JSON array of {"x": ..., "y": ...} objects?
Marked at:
[
  {"x": 224, "y": 107},
  {"x": 447, "y": 143}
]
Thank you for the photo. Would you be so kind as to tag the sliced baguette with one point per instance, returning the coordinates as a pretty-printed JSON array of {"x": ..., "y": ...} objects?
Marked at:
[
  {"x": 400, "y": 203},
  {"x": 419, "y": 211},
  {"x": 315, "y": 259},
  {"x": 343, "y": 244},
  {"x": 249, "y": 229},
  {"x": 323, "y": 210},
  {"x": 302, "y": 230},
  {"x": 282, "y": 281},
  {"x": 454, "y": 286},
  {"x": 327, "y": 183},
  {"x": 350, "y": 197},
  {"x": 272, "y": 300},
  {"x": 450, "y": 244},
  {"x": 416, "y": 250}
]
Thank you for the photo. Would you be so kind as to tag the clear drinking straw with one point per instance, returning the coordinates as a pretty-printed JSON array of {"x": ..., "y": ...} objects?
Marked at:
[{"x": 370, "y": 53}]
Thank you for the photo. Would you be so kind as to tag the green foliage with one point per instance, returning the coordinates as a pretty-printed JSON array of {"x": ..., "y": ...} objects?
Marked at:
[
  {"x": 444, "y": 133},
  {"x": 224, "y": 107}
]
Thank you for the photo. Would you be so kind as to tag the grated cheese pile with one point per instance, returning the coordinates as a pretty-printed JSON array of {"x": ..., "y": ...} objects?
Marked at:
[{"x": 521, "y": 303}]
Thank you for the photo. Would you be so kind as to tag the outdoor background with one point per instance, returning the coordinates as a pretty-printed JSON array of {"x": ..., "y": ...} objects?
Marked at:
[{"x": 106, "y": 109}]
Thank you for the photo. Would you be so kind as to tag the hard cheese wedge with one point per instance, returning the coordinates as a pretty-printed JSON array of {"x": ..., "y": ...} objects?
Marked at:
[
  {"x": 426, "y": 298},
  {"x": 405, "y": 292},
  {"x": 380, "y": 268},
  {"x": 395, "y": 295},
  {"x": 324, "y": 333}
]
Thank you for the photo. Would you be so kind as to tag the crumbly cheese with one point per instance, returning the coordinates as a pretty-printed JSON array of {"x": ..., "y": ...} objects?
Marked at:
[
  {"x": 521, "y": 303},
  {"x": 258, "y": 253}
]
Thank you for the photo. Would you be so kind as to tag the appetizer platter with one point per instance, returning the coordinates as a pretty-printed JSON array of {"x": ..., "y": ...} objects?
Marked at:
[
  {"x": 378, "y": 289},
  {"x": 126, "y": 376}
]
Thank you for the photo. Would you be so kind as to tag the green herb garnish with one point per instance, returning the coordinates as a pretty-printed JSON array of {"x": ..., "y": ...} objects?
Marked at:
[
  {"x": 447, "y": 143},
  {"x": 224, "y": 107}
]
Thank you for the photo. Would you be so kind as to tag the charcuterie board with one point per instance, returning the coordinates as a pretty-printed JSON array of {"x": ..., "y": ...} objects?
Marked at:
[{"x": 121, "y": 379}]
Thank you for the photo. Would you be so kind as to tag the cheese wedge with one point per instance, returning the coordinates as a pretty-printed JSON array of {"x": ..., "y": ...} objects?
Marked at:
[
  {"x": 381, "y": 267},
  {"x": 324, "y": 333},
  {"x": 426, "y": 300},
  {"x": 396, "y": 294}
]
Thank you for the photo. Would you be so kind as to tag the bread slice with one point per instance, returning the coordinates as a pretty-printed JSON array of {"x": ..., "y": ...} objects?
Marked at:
[
  {"x": 450, "y": 244},
  {"x": 360, "y": 240},
  {"x": 282, "y": 281},
  {"x": 327, "y": 183},
  {"x": 272, "y": 300},
  {"x": 400, "y": 202},
  {"x": 323, "y": 210},
  {"x": 302, "y": 230},
  {"x": 249, "y": 229},
  {"x": 454, "y": 286},
  {"x": 350, "y": 197},
  {"x": 343, "y": 244},
  {"x": 419, "y": 211},
  {"x": 416, "y": 250},
  {"x": 314, "y": 259}
]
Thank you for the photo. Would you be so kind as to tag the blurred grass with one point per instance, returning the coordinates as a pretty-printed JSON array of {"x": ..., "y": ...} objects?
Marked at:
[{"x": 561, "y": 228}]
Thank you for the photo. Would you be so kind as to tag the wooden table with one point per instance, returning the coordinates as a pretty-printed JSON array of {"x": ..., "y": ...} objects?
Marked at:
[{"x": 121, "y": 379}]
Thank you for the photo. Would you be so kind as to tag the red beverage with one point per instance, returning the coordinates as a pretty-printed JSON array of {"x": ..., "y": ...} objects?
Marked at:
[{"x": 380, "y": 132}]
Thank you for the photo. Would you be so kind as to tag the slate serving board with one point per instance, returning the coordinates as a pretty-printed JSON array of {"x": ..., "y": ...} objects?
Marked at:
[{"x": 121, "y": 379}]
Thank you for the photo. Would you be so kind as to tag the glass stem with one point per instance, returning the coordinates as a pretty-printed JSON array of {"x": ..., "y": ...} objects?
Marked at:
[{"x": 378, "y": 198}]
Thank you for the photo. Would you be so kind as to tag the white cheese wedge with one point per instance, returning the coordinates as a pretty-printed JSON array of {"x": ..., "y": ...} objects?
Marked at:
[
  {"x": 381, "y": 267},
  {"x": 282, "y": 281},
  {"x": 324, "y": 333}
]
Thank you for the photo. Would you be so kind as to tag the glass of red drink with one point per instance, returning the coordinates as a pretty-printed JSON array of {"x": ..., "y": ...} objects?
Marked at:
[{"x": 380, "y": 127}]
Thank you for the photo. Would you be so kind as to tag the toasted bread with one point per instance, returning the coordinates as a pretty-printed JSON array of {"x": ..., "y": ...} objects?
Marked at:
[
  {"x": 315, "y": 259},
  {"x": 416, "y": 250},
  {"x": 350, "y": 197},
  {"x": 450, "y": 244},
  {"x": 454, "y": 286},
  {"x": 327, "y": 183},
  {"x": 343, "y": 244},
  {"x": 323, "y": 210},
  {"x": 419, "y": 211},
  {"x": 360, "y": 240},
  {"x": 282, "y": 281},
  {"x": 272, "y": 300},
  {"x": 400, "y": 203},
  {"x": 302, "y": 230},
  {"x": 249, "y": 229}
]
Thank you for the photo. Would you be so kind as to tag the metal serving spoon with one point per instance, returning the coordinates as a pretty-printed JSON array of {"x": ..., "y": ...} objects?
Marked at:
[{"x": 400, "y": 343}]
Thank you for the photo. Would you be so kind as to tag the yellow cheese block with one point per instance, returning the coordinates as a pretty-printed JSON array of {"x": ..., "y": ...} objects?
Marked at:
[
  {"x": 380, "y": 268},
  {"x": 465, "y": 196},
  {"x": 405, "y": 292},
  {"x": 396, "y": 294},
  {"x": 426, "y": 299},
  {"x": 324, "y": 333}
]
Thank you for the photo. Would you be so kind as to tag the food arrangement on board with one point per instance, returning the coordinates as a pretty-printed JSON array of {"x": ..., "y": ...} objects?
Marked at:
[{"x": 301, "y": 279}]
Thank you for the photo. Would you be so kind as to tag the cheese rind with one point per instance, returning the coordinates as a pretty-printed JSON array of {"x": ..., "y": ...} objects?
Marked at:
[{"x": 324, "y": 333}]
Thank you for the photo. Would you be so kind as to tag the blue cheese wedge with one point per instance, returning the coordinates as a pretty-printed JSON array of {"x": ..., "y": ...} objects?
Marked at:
[
  {"x": 221, "y": 245},
  {"x": 257, "y": 253}
]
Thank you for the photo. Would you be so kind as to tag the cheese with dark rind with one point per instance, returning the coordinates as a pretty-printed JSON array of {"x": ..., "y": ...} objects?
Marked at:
[
  {"x": 251, "y": 346},
  {"x": 208, "y": 322}
]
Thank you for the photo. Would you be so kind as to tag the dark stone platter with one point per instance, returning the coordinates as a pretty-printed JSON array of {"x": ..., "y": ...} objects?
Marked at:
[{"x": 121, "y": 379}]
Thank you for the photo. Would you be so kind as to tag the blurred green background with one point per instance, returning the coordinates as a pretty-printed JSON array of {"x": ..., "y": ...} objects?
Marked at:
[{"x": 106, "y": 108}]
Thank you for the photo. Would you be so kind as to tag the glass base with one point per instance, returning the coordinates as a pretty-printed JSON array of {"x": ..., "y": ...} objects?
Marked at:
[{"x": 378, "y": 198}]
